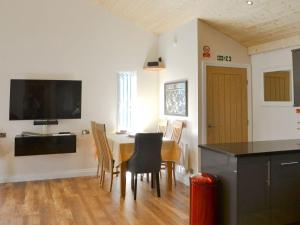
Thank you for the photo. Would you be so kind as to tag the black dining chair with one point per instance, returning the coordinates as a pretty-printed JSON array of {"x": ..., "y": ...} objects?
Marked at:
[{"x": 146, "y": 158}]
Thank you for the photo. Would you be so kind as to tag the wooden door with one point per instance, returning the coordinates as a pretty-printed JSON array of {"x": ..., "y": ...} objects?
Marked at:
[{"x": 227, "y": 113}]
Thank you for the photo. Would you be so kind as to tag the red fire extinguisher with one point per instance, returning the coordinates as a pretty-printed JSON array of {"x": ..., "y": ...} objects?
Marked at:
[{"x": 203, "y": 199}]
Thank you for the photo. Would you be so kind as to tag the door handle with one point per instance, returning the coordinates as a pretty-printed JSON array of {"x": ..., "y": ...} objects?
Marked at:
[
  {"x": 288, "y": 163},
  {"x": 211, "y": 125}
]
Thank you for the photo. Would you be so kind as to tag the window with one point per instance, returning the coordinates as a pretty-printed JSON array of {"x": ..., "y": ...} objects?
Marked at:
[
  {"x": 126, "y": 100},
  {"x": 277, "y": 86}
]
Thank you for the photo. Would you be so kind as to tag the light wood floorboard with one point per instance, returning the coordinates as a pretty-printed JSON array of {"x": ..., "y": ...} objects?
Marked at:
[{"x": 80, "y": 201}]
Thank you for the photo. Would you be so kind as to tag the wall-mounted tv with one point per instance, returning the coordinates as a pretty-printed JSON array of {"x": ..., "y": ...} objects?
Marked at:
[{"x": 45, "y": 99}]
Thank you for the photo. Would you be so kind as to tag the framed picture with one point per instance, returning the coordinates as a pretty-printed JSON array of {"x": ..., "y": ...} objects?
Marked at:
[{"x": 176, "y": 98}]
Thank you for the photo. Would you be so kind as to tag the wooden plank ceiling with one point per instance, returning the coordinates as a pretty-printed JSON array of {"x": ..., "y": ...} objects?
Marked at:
[{"x": 264, "y": 21}]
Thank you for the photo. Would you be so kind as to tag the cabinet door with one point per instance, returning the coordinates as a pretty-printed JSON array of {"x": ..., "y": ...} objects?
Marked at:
[
  {"x": 224, "y": 166},
  {"x": 285, "y": 189},
  {"x": 253, "y": 190}
]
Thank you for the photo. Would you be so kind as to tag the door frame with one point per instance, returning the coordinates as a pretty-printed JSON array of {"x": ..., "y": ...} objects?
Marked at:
[{"x": 249, "y": 96}]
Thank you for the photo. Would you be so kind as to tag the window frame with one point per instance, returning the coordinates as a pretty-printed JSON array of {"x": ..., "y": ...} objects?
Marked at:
[
  {"x": 262, "y": 87},
  {"x": 132, "y": 101}
]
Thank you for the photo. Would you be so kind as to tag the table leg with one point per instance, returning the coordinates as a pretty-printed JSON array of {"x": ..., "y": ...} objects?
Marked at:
[
  {"x": 169, "y": 176},
  {"x": 123, "y": 168}
]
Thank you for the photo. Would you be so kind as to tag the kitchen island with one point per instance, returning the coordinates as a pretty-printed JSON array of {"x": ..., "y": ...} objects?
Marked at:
[{"x": 260, "y": 181}]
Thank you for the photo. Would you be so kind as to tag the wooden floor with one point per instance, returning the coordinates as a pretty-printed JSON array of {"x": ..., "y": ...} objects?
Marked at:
[{"x": 80, "y": 201}]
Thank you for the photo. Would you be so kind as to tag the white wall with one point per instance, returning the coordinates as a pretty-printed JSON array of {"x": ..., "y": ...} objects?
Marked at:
[
  {"x": 69, "y": 39},
  {"x": 182, "y": 64},
  {"x": 220, "y": 44},
  {"x": 271, "y": 122}
]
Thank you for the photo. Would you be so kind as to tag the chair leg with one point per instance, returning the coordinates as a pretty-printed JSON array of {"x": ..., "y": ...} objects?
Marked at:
[
  {"x": 135, "y": 185},
  {"x": 174, "y": 172},
  {"x": 100, "y": 180},
  {"x": 152, "y": 180},
  {"x": 103, "y": 179},
  {"x": 117, "y": 168},
  {"x": 98, "y": 168},
  {"x": 157, "y": 184},
  {"x": 101, "y": 175},
  {"x": 132, "y": 181},
  {"x": 148, "y": 177},
  {"x": 111, "y": 179},
  {"x": 142, "y": 177}
]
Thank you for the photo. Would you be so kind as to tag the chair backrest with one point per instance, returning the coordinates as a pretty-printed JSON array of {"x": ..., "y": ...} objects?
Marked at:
[
  {"x": 147, "y": 153},
  {"x": 97, "y": 127},
  {"x": 105, "y": 150},
  {"x": 177, "y": 127},
  {"x": 162, "y": 126}
]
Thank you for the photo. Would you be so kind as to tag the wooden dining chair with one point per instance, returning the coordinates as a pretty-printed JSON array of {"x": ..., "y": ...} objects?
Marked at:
[
  {"x": 162, "y": 126},
  {"x": 177, "y": 127},
  {"x": 146, "y": 158},
  {"x": 107, "y": 161},
  {"x": 101, "y": 127}
]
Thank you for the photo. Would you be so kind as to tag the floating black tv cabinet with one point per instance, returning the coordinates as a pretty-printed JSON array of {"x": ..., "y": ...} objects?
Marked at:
[{"x": 45, "y": 144}]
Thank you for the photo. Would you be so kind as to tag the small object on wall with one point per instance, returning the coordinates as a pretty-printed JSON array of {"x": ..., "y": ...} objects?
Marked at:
[
  {"x": 176, "y": 98},
  {"x": 152, "y": 63},
  {"x": 85, "y": 132},
  {"x": 206, "y": 51},
  {"x": 155, "y": 65},
  {"x": 225, "y": 58}
]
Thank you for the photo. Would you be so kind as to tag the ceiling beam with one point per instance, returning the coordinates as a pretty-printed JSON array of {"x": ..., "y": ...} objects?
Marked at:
[{"x": 274, "y": 45}]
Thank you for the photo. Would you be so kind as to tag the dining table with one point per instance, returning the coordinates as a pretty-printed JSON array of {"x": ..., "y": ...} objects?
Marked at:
[{"x": 122, "y": 146}]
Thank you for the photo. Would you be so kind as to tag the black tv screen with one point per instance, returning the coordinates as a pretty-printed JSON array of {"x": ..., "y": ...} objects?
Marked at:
[{"x": 44, "y": 99}]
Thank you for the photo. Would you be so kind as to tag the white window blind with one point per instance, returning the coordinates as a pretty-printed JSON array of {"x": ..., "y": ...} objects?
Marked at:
[{"x": 126, "y": 100}]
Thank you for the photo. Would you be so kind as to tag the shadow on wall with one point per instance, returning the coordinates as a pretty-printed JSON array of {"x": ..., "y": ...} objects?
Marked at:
[{"x": 151, "y": 55}]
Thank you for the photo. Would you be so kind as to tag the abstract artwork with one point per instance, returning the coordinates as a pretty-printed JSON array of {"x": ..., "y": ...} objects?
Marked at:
[{"x": 176, "y": 100}]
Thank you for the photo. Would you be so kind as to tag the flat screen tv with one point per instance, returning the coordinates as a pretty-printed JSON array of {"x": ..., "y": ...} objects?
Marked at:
[{"x": 45, "y": 99}]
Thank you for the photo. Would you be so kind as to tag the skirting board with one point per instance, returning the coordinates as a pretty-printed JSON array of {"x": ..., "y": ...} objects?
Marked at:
[
  {"x": 47, "y": 176},
  {"x": 183, "y": 178}
]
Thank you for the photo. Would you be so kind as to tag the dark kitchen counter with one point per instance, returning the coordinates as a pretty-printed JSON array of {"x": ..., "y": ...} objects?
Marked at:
[
  {"x": 259, "y": 181},
  {"x": 254, "y": 148}
]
